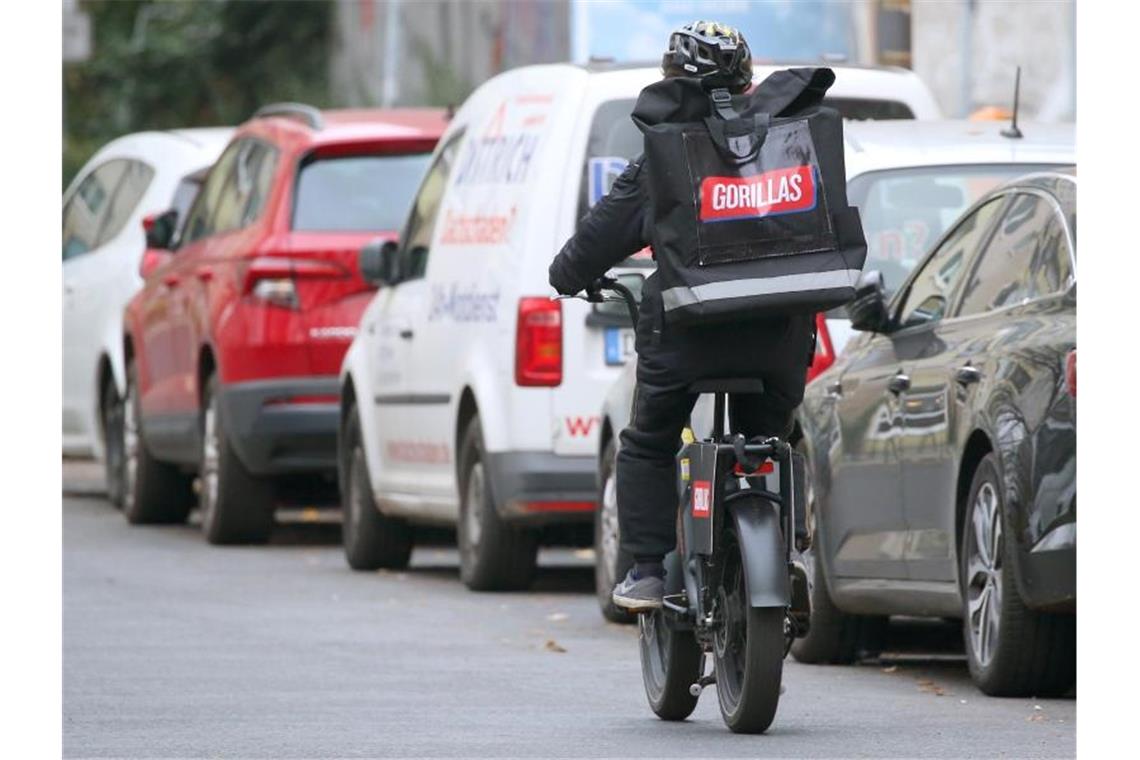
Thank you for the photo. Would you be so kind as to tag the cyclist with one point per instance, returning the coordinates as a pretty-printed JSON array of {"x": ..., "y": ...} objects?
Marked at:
[{"x": 670, "y": 358}]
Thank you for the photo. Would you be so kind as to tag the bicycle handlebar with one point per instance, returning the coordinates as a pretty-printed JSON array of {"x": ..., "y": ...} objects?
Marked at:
[{"x": 594, "y": 295}]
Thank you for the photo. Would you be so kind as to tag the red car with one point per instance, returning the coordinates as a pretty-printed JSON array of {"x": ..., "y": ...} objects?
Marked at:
[{"x": 235, "y": 341}]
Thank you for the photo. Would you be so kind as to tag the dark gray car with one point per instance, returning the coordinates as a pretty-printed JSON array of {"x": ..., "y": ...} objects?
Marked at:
[{"x": 942, "y": 448}]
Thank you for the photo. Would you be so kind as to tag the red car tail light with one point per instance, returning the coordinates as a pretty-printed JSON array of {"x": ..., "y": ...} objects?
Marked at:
[
  {"x": 824, "y": 350},
  {"x": 273, "y": 279},
  {"x": 538, "y": 342},
  {"x": 1071, "y": 373}
]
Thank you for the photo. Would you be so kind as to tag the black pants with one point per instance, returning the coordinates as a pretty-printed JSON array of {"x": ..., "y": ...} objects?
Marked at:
[{"x": 669, "y": 359}]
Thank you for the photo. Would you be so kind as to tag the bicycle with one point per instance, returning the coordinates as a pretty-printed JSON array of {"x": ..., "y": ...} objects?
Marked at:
[{"x": 733, "y": 588}]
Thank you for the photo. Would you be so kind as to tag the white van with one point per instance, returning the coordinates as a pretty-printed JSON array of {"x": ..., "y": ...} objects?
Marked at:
[{"x": 469, "y": 397}]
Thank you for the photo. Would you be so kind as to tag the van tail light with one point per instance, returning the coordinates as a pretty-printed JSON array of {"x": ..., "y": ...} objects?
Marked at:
[
  {"x": 538, "y": 342},
  {"x": 1071, "y": 373},
  {"x": 824, "y": 350},
  {"x": 273, "y": 279}
]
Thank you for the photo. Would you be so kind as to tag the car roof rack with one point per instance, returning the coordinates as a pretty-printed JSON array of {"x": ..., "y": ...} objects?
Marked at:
[{"x": 300, "y": 111}]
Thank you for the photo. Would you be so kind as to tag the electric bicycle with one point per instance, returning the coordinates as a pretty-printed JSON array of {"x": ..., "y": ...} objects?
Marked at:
[{"x": 735, "y": 592}]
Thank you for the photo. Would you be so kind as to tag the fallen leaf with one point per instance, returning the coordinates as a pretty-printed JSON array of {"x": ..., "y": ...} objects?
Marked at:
[
  {"x": 554, "y": 646},
  {"x": 1035, "y": 719},
  {"x": 931, "y": 688}
]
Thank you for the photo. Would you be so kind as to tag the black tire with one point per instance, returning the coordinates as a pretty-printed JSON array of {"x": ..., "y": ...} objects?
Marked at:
[
  {"x": 610, "y": 562},
  {"x": 236, "y": 507},
  {"x": 154, "y": 492},
  {"x": 371, "y": 540},
  {"x": 111, "y": 412},
  {"x": 834, "y": 637},
  {"x": 493, "y": 555},
  {"x": 670, "y": 664},
  {"x": 748, "y": 653},
  {"x": 1023, "y": 653}
]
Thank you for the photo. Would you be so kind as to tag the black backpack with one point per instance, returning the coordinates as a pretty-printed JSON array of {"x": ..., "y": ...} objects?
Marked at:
[{"x": 749, "y": 196}]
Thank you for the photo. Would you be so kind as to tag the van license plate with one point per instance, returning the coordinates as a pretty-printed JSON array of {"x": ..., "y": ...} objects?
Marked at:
[{"x": 619, "y": 346}]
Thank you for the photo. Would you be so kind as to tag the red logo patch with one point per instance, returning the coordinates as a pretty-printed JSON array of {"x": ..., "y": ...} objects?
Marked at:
[
  {"x": 780, "y": 191},
  {"x": 702, "y": 498}
]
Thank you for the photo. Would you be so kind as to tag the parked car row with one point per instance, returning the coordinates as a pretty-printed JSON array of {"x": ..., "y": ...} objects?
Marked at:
[{"x": 356, "y": 303}]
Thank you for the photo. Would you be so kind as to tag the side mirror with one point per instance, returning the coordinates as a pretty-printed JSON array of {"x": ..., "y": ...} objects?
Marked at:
[
  {"x": 160, "y": 228},
  {"x": 378, "y": 262},
  {"x": 152, "y": 259},
  {"x": 868, "y": 310}
]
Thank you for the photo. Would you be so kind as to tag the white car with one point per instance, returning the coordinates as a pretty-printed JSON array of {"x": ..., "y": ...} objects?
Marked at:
[
  {"x": 910, "y": 181},
  {"x": 470, "y": 398},
  {"x": 103, "y": 242}
]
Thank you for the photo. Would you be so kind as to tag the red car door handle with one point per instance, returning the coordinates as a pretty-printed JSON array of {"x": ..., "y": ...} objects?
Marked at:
[
  {"x": 205, "y": 274},
  {"x": 170, "y": 280}
]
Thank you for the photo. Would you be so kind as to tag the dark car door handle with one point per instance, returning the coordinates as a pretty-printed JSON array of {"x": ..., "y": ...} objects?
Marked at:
[
  {"x": 835, "y": 389},
  {"x": 968, "y": 375},
  {"x": 899, "y": 383},
  {"x": 406, "y": 333}
]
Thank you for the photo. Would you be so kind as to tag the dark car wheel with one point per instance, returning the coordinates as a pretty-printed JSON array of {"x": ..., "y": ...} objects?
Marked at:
[
  {"x": 610, "y": 562},
  {"x": 1012, "y": 650},
  {"x": 154, "y": 492},
  {"x": 493, "y": 554},
  {"x": 111, "y": 408},
  {"x": 236, "y": 507},
  {"x": 371, "y": 540},
  {"x": 834, "y": 637}
]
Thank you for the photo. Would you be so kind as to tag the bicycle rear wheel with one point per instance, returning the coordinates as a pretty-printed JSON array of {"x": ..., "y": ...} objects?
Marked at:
[
  {"x": 748, "y": 652},
  {"x": 670, "y": 664}
]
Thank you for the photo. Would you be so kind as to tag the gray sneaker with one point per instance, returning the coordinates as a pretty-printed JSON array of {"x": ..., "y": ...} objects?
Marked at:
[{"x": 639, "y": 594}]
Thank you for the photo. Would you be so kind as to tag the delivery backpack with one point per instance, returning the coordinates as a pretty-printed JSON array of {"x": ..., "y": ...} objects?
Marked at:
[{"x": 749, "y": 198}]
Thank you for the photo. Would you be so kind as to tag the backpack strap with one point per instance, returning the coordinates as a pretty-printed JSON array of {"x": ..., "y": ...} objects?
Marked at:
[{"x": 737, "y": 138}]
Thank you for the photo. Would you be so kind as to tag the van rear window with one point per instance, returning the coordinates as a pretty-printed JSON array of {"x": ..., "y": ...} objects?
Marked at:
[{"x": 357, "y": 193}]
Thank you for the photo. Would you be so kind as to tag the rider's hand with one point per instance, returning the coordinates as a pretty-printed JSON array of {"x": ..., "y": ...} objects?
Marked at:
[{"x": 563, "y": 280}]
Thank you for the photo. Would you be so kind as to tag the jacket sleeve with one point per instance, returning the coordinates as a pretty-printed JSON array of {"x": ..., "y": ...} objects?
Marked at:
[{"x": 612, "y": 230}]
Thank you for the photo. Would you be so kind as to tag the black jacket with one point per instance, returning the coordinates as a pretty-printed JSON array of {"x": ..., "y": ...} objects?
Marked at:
[{"x": 619, "y": 225}]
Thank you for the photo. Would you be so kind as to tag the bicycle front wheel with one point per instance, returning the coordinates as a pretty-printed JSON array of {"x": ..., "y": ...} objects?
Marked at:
[
  {"x": 670, "y": 664},
  {"x": 748, "y": 652}
]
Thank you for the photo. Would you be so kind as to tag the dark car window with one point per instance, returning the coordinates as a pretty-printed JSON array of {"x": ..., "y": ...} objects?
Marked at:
[
  {"x": 243, "y": 194},
  {"x": 135, "y": 179},
  {"x": 357, "y": 193},
  {"x": 415, "y": 244},
  {"x": 199, "y": 222},
  {"x": 183, "y": 199},
  {"x": 864, "y": 109},
  {"x": 905, "y": 211},
  {"x": 1027, "y": 258},
  {"x": 932, "y": 289},
  {"x": 87, "y": 208}
]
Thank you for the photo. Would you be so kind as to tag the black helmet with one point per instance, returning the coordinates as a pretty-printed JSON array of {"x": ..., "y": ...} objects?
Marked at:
[{"x": 710, "y": 50}]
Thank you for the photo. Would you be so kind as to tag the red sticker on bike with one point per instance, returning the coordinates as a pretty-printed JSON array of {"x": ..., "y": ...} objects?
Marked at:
[
  {"x": 702, "y": 498},
  {"x": 780, "y": 191}
]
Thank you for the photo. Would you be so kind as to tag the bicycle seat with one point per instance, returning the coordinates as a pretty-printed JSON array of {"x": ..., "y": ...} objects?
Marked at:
[{"x": 728, "y": 385}]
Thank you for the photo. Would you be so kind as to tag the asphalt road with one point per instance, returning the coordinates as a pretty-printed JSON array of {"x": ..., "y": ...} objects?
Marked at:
[{"x": 176, "y": 649}]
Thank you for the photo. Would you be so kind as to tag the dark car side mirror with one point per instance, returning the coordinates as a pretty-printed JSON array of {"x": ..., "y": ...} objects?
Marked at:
[
  {"x": 378, "y": 262},
  {"x": 160, "y": 228},
  {"x": 868, "y": 310}
]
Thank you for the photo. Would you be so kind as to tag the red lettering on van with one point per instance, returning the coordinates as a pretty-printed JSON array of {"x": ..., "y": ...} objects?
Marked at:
[{"x": 581, "y": 427}]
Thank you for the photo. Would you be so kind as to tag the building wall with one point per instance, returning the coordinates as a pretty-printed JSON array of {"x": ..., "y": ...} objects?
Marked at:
[
  {"x": 435, "y": 52},
  {"x": 968, "y": 51}
]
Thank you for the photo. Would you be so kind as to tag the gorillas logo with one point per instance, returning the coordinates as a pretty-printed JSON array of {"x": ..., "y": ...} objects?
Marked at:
[{"x": 780, "y": 191}]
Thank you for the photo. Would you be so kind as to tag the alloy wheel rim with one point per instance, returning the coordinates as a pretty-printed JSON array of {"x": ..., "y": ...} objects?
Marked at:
[
  {"x": 610, "y": 536},
  {"x": 130, "y": 448},
  {"x": 984, "y": 574},
  {"x": 653, "y": 632},
  {"x": 209, "y": 473},
  {"x": 473, "y": 517}
]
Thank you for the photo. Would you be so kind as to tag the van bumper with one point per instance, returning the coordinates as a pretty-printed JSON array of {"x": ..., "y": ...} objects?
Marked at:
[{"x": 541, "y": 488}]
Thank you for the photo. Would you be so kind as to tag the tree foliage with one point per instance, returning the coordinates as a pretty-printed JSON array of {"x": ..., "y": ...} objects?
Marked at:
[{"x": 162, "y": 65}]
